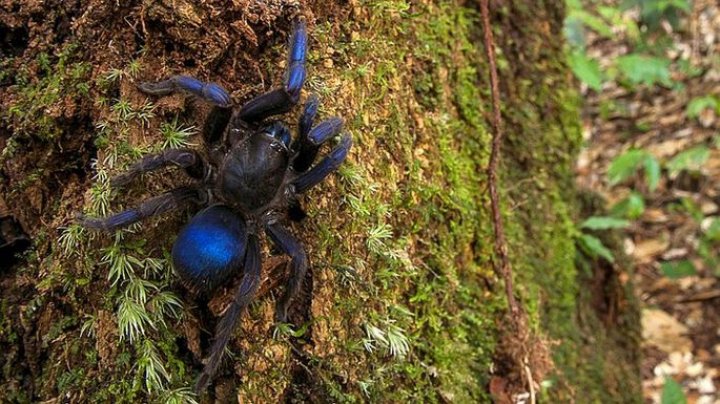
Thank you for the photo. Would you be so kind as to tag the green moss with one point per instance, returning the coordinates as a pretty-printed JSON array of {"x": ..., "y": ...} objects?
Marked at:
[
  {"x": 420, "y": 218},
  {"x": 541, "y": 229},
  {"x": 43, "y": 88}
]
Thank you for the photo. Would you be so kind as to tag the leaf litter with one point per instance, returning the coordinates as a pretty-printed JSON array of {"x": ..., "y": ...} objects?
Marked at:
[{"x": 673, "y": 241}]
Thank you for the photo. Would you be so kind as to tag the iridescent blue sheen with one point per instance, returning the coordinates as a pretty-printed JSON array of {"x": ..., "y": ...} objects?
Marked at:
[
  {"x": 190, "y": 84},
  {"x": 296, "y": 78},
  {"x": 130, "y": 215},
  {"x": 217, "y": 94},
  {"x": 296, "y": 61},
  {"x": 308, "y": 115},
  {"x": 325, "y": 130},
  {"x": 210, "y": 248},
  {"x": 279, "y": 131},
  {"x": 298, "y": 43},
  {"x": 210, "y": 91}
]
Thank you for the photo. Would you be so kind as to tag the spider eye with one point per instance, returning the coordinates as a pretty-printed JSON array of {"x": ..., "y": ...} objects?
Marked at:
[{"x": 280, "y": 132}]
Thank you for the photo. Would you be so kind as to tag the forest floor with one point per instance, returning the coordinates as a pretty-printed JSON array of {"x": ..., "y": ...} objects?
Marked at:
[{"x": 673, "y": 242}]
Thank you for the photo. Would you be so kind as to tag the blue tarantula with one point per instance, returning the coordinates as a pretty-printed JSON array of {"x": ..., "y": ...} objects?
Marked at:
[{"x": 249, "y": 179}]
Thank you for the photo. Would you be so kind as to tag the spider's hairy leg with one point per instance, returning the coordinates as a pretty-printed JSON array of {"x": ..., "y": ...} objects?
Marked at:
[
  {"x": 325, "y": 167},
  {"x": 175, "y": 199},
  {"x": 210, "y": 92},
  {"x": 308, "y": 116},
  {"x": 290, "y": 246},
  {"x": 281, "y": 100},
  {"x": 295, "y": 74},
  {"x": 243, "y": 296},
  {"x": 265, "y": 105},
  {"x": 215, "y": 124},
  {"x": 184, "y": 158},
  {"x": 310, "y": 140}
]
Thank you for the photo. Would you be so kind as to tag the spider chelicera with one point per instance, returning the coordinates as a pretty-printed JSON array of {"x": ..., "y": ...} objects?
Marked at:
[{"x": 249, "y": 179}]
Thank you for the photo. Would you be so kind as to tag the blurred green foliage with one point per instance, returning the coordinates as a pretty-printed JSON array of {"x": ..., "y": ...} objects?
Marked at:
[
  {"x": 647, "y": 30},
  {"x": 636, "y": 23}
]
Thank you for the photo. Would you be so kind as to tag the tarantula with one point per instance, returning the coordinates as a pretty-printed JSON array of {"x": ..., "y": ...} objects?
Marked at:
[{"x": 250, "y": 180}]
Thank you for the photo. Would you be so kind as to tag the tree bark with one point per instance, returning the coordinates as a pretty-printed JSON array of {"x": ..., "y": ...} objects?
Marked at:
[{"x": 401, "y": 301}]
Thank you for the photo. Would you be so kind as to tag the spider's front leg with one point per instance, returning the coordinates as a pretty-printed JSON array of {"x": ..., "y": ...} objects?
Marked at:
[
  {"x": 325, "y": 167},
  {"x": 281, "y": 100},
  {"x": 210, "y": 92},
  {"x": 188, "y": 159},
  {"x": 310, "y": 139},
  {"x": 172, "y": 200},
  {"x": 290, "y": 246},
  {"x": 243, "y": 296}
]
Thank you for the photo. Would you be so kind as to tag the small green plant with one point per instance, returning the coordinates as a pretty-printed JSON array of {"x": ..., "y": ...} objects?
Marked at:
[
  {"x": 145, "y": 113},
  {"x": 653, "y": 12},
  {"x": 183, "y": 395},
  {"x": 391, "y": 339},
  {"x": 691, "y": 159},
  {"x": 630, "y": 207},
  {"x": 88, "y": 327},
  {"x": 593, "y": 246},
  {"x": 114, "y": 75},
  {"x": 646, "y": 63},
  {"x": 133, "y": 319},
  {"x": 165, "y": 304},
  {"x": 377, "y": 236},
  {"x": 586, "y": 69},
  {"x": 285, "y": 330},
  {"x": 672, "y": 393},
  {"x": 123, "y": 109},
  {"x": 176, "y": 135},
  {"x": 645, "y": 69},
  {"x": 677, "y": 269},
  {"x": 120, "y": 263},
  {"x": 151, "y": 367},
  {"x": 604, "y": 223},
  {"x": 627, "y": 164},
  {"x": 697, "y": 105},
  {"x": 71, "y": 238},
  {"x": 133, "y": 68}
]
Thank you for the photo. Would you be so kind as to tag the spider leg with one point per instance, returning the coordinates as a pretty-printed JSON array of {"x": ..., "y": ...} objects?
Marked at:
[
  {"x": 243, "y": 296},
  {"x": 174, "y": 199},
  {"x": 310, "y": 141},
  {"x": 290, "y": 246},
  {"x": 215, "y": 124},
  {"x": 325, "y": 167},
  {"x": 185, "y": 158},
  {"x": 308, "y": 116},
  {"x": 281, "y": 100},
  {"x": 210, "y": 92},
  {"x": 295, "y": 74}
]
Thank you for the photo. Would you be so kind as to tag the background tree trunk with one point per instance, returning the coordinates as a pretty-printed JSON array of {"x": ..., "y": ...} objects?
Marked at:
[{"x": 401, "y": 302}]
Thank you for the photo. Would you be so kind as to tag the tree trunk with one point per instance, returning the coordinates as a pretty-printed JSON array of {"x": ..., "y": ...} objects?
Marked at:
[{"x": 401, "y": 302}]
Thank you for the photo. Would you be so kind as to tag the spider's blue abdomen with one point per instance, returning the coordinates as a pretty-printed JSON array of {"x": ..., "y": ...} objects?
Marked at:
[{"x": 210, "y": 248}]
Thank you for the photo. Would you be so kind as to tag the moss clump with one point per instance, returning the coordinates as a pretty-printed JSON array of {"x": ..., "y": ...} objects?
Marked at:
[{"x": 47, "y": 88}]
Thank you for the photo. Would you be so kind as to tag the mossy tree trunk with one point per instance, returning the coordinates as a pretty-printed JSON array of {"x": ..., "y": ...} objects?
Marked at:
[{"x": 401, "y": 302}]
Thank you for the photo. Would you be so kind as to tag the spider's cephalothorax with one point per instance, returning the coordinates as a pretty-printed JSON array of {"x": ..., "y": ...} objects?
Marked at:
[{"x": 249, "y": 180}]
